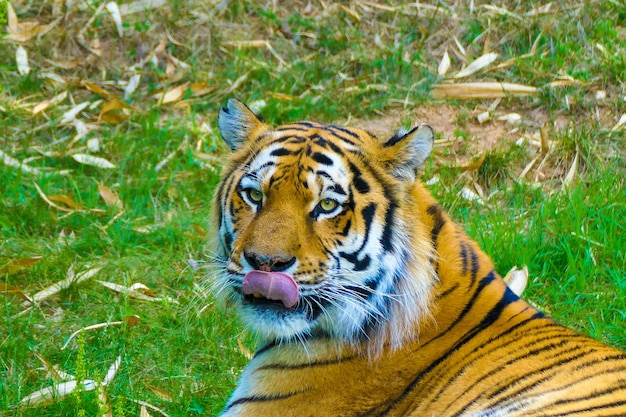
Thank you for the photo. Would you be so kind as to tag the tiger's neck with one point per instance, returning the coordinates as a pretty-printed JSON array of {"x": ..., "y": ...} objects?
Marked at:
[{"x": 464, "y": 272}]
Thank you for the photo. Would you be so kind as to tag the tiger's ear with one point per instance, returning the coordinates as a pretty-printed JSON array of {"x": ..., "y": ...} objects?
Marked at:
[
  {"x": 405, "y": 152},
  {"x": 237, "y": 123}
]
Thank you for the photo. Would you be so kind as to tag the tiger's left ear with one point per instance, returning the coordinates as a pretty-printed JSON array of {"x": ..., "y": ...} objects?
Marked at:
[{"x": 405, "y": 152}]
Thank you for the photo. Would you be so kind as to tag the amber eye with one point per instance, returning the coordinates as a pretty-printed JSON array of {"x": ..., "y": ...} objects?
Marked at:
[
  {"x": 327, "y": 205},
  {"x": 255, "y": 196}
]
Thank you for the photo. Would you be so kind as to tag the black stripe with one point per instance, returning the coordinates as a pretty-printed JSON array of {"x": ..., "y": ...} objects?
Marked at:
[
  {"x": 337, "y": 189},
  {"x": 463, "y": 258},
  {"x": 368, "y": 214},
  {"x": 359, "y": 183},
  {"x": 265, "y": 348},
  {"x": 326, "y": 143},
  {"x": 228, "y": 242},
  {"x": 262, "y": 398},
  {"x": 320, "y": 158},
  {"x": 346, "y": 229},
  {"x": 287, "y": 140},
  {"x": 296, "y": 126},
  {"x": 447, "y": 292},
  {"x": 475, "y": 265},
  {"x": 390, "y": 215},
  {"x": 332, "y": 128},
  {"x": 306, "y": 365},
  {"x": 281, "y": 152},
  {"x": 604, "y": 406},
  {"x": 396, "y": 138},
  {"x": 439, "y": 222},
  {"x": 483, "y": 283}
]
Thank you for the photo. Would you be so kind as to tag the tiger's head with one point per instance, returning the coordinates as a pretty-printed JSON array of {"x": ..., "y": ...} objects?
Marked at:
[{"x": 317, "y": 233}]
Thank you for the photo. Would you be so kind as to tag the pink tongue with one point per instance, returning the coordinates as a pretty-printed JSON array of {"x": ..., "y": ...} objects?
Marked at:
[{"x": 272, "y": 285}]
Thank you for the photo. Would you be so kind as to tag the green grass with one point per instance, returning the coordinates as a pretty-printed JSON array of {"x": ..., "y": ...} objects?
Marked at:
[{"x": 338, "y": 64}]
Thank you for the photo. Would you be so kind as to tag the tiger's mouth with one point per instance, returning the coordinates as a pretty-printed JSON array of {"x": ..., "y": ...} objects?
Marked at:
[
  {"x": 258, "y": 299},
  {"x": 271, "y": 286},
  {"x": 273, "y": 299}
]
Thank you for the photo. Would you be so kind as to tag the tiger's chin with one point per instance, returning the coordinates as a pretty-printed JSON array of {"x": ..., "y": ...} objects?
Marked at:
[{"x": 273, "y": 322}]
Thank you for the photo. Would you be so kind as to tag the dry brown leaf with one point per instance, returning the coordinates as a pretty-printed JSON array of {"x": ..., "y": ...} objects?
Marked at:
[
  {"x": 114, "y": 9},
  {"x": 21, "y": 59},
  {"x": 200, "y": 88},
  {"x": 70, "y": 279},
  {"x": 259, "y": 43},
  {"x": 132, "y": 85},
  {"x": 528, "y": 167},
  {"x": 517, "y": 279},
  {"x": 71, "y": 114},
  {"x": 141, "y": 5},
  {"x": 161, "y": 394},
  {"x": 444, "y": 65},
  {"x": 67, "y": 201},
  {"x": 142, "y": 289},
  {"x": 131, "y": 320},
  {"x": 112, "y": 371},
  {"x": 8, "y": 160},
  {"x": 22, "y": 31},
  {"x": 110, "y": 198},
  {"x": 16, "y": 265},
  {"x": 281, "y": 96},
  {"x": 483, "y": 117},
  {"x": 511, "y": 118},
  {"x": 173, "y": 94},
  {"x": 47, "y": 103},
  {"x": 471, "y": 195},
  {"x": 111, "y": 111},
  {"x": 621, "y": 123},
  {"x": 50, "y": 203},
  {"x": 95, "y": 161},
  {"x": 54, "y": 392},
  {"x": 477, "y": 65},
  {"x": 564, "y": 81},
  {"x": 481, "y": 90},
  {"x": 150, "y": 406},
  {"x": 144, "y": 411},
  {"x": 14, "y": 291},
  {"x": 95, "y": 88},
  {"x": 353, "y": 15},
  {"x": 91, "y": 327},
  {"x": 571, "y": 174},
  {"x": 474, "y": 165},
  {"x": 104, "y": 405},
  {"x": 137, "y": 290}
]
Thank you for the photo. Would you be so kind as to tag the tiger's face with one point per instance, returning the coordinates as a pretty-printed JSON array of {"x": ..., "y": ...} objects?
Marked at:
[{"x": 312, "y": 224}]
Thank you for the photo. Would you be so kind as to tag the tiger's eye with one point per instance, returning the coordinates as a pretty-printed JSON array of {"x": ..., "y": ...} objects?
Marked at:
[
  {"x": 255, "y": 195},
  {"x": 328, "y": 204}
]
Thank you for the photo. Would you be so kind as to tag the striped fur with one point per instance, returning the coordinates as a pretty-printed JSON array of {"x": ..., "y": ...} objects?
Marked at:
[{"x": 400, "y": 313}]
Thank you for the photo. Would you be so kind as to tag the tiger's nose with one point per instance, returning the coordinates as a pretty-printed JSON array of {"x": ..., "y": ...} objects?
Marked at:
[{"x": 267, "y": 263}]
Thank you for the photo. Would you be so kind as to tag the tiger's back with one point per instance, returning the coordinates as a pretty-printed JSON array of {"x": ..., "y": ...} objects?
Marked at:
[{"x": 369, "y": 300}]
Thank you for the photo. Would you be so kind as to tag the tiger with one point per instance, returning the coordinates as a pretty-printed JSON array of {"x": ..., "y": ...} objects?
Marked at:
[{"x": 368, "y": 299}]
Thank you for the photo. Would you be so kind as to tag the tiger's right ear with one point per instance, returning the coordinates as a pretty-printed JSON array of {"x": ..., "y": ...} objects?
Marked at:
[{"x": 237, "y": 123}]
